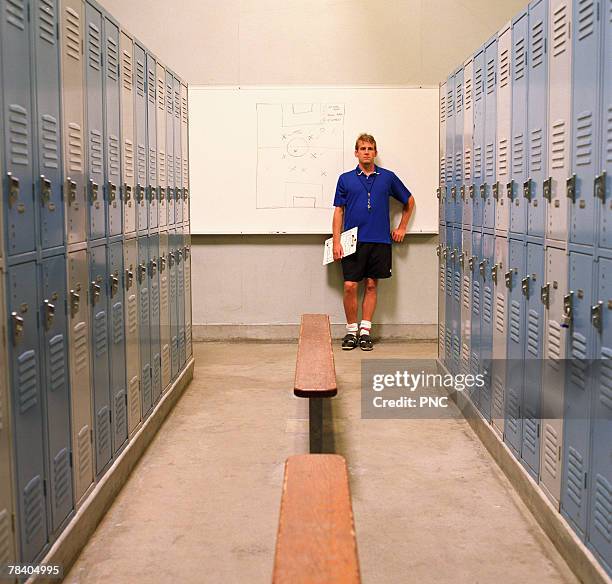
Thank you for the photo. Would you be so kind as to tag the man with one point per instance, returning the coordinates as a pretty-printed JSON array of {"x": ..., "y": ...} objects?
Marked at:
[{"x": 362, "y": 201}]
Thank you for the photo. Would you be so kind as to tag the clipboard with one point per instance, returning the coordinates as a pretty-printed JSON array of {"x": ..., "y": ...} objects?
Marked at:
[{"x": 348, "y": 240}]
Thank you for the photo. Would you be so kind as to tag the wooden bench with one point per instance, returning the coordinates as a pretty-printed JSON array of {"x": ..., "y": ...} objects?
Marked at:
[{"x": 316, "y": 536}]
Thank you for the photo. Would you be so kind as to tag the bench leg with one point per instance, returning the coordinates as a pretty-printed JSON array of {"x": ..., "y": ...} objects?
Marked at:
[{"x": 321, "y": 426}]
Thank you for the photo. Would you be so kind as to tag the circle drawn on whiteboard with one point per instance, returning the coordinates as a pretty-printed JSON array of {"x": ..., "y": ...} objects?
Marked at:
[{"x": 297, "y": 147}]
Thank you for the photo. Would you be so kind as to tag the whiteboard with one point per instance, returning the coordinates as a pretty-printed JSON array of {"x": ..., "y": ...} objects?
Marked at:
[{"x": 267, "y": 160}]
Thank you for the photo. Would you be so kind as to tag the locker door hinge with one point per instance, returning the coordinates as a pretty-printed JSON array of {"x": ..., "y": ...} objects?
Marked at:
[
  {"x": 566, "y": 318},
  {"x": 600, "y": 187},
  {"x": 29, "y": 18},
  {"x": 525, "y": 286},
  {"x": 57, "y": 30},
  {"x": 548, "y": 189},
  {"x": 596, "y": 314},
  {"x": 545, "y": 294},
  {"x": 527, "y": 189},
  {"x": 571, "y": 188}
]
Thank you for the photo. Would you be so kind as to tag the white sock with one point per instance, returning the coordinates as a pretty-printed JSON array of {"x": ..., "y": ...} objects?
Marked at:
[
  {"x": 352, "y": 328},
  {"x": 365, "y": 327}
]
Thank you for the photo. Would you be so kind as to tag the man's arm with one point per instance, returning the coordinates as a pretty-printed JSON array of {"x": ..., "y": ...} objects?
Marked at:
[
  {"x": 398, "y": 234},
  {"x": 336, "y": 230}
]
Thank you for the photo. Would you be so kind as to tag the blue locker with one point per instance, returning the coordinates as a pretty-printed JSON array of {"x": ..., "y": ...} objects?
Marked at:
[
  {"x": 600, "y": 504},
  {"x": 180, "y": 252},
  {"x": 490, "y": 137},
  {"x": 98, "y": 295},
  {"x": 468, "y": 143},
  {"x": 520, "y": 138},
  {"x": 144, "y": 300},
  {"x": 54, "y": 339},
  {"x": 479, "y": 139},
  {"x": 140, "y": 114},
  {"x": 17, "y": 192},
  {"x": 486, "y": 323},
  {"x": 112, "y": 128},
  {"x": 152, "y": 181},
  {"x": 513, "y": 427},
  {"x": 585, "y": 122},
  {"x": 531, "y": 286},
  {"x": 457, "y": 202},
  {"x": 448, "y": 312},
  {"x": 170, "y": 194},
  {"x": 174, "y": 327},
  {"x": 95, "y": 123},
  {"x": 25, "y": 379},
  {"x": 473, "y": 264},
  {"x": 456, "y": 315},
  {"x": 450, "y": 149},
  {"x": 537, "y": 116},
  {"x": 178, "y": 155},
  {"x": 154, "y": 315},
  {"x": 576, "y": 427},
  {"x": 116, "y": 333},
  {"x": 466, "y": 300},
  {"x": 48, "y": 186}
]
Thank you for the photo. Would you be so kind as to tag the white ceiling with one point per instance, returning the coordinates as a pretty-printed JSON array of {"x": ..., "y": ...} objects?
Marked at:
[{"x": 330, "y": 42}]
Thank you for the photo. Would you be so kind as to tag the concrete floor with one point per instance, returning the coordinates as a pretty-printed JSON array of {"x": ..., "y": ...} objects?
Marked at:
[{"x": 202, "y": 506}]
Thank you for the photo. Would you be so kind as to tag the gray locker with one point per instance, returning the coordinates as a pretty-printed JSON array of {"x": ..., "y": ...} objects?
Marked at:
[
  {"x": 185, "y": 151},
  {"x": 537, "y": 118},
  {"x": 585, "y": 123},
  {"x": 178, "y": 156},
  {"x": 486, "y": 323},
  {"x": 153, "y": 274},
  {"x": 466, "y": 300},
  {"x": 7, "y": 537},
  {"x": 576, "y": 428},
  {"x": 605, "y": 195},
  {"x": 468, "y": 143},
  {"x": 144, "y": 302},
  {"x": 128, "y": 154},
  {"x": 188, "y": 309},
  {"x": 161, "y": 147},
  {"x": 500, "y": 332},
  {"x": 488, "y": 189},
  {"x": 116, "y": 333},
  {"x": 25, "y": 371},
  {"x": 173, "y": 299},
  {"x": 170, "y": 195},
  {"x": 112, "y": 129},
  {"x": 132, "y": 345},
  {"x": 554, "y": 291},
  {"x": 475, "y": 190},
  {"x": 140, "y": 61},
  {"x": 180, "y": 293},
  {"x": 503, "y": 154},
  {"x": 17, "y": 193},
  {"x": 559, "y": 119},
  {"x": 600, "y": 511},
  {"x": 441, "y": 194},
  {"x": 164, "y": 309},
  {"x": 48, "y": 186},
  {"x": 73, "y": 120},
  {"x": 54, "y": 339},
  {"x": 80, "y": 375},
  {"x": 449, "y": 213},
  {"x": 520, "y": 138},
  {"x": 457, "y": 204},
  {"x": 98, "y": 296},
  {"x": 473, "y": 264},
  {"x": 456, "y": 301},
  {"x": 152, "y": 194},
  {"x": 95, "y": 122},
  {"x": 442, "y": 253},
  {"x": 448, "y": 268}
]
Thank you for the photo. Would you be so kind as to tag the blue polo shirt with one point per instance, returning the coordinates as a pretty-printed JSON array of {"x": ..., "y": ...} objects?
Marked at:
[{"x": 352, "y": 194}]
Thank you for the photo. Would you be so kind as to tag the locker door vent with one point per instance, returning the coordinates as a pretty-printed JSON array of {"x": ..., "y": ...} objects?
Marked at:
[
  {"x": 605, "y": 389},
  {"x": 490, "y": 76},
  {"x": 144, "y": 305},
  {"x": 515, "y": 321},
  {"x": 513, "y": 410},
  {"x": 503, "y": 157},
  {"x": 477, "y": 162},
  {"x": 15, "y": 13},
  {"x": 112, "y": 59},
  {"x": 575, "y": 476},
  {"x": 33, "y": 508},
  {"x": 449, "y": 169},
  {"x": 487, "y": 305},
  {"x": 128, "y": 153},
  {"x": 27, "y": 381},
  {"x": 518, "y": 155},
  {"x": 458, "y": 167},
  {"x": 132, "y": 314},
  {"x": 458, "y": 102},
  {"x": 584, "y": 138},
  {"x": 113, "y": 154},
  {"x": 520, "y": 59},
  {"x": 554, "y": 340},
  {"x": 467, "y": 280},
  {"x": 134, "y": 398},
  {"x": 165, "y": 359},
  {"x": 46, "y": 19},
  {"x": 586, "y": 19},
  {"x": 535, "y": 154},
  {"x": 476, "y": 298},
  {"x": 560, "y": 32},
  {"x": 450, "y": 104},
  {"x": 478, "y": 84},
  {"x": 177, "y": 102},
  {"x": 468, "y": 97},
  {"x": 475, "y": 362},
  {"x": 140, "y": 77},
  {"x": 602, "y": 507},
  {"x": 146, "y": 384},
  {"x": 457, "y": 287},
  {"x": 609, "y": 122},
  {"x": 456, "y": 348},
  {"x": 120, "y": 414},
  {"x": 152, "y": 163},
  {"x": 117, "y": 323},
  {"x": 142, "y": 162},
  {"x": 5, "y": 537},
  {"x": 558, "y": 144},
  {"x": 551, "y": 449},
  {"x": 164, "y": 289},
  {"x": 57, "y": 363},
  {"x": 156, "y": 370},
  {"x": 95, "y": 151},
  {"x": 155, "y": 303},
  {"x": 162, "y": 165},
  {"x": 73, "y": 34},
  {"x": 489, "y": 159},
  {"x": 95, "y": 47},
  {"x": 170, "y": 168},
  {"x": 127, "y": 70},
  {"x": 530, "y": 436},
  {"x": 177, "y": 168},
  {"x": 103, "y": 445},
  {"x": 75, "y": 147},
  {"x": 500, "y": 313},
  {"x": 84, "y": 454},
  {"x": 61, "y": 478},
  {"x": 498, "y": 396},
  {"x": 578, "y": 365},
  {"x": 80, "y": 347},
  {"x": 181, "y": 345},
  {"x": 161, "y": 95},
  {"x": 441, "y": 335},
  {"x": 448, "y": 342},
  {"x": 151, "y": 86},
  {"x": 537, "y": 44},
  {"x": 99, "y": 334},
  {"x": 185, "y": 110},
  {"x": 467, "y": 166},
  {"x": 465, "y": 358},
  {"x": 19, "y": 130},
  {"x": 442, "y": 171},
  {"x": 49, "y": 141},
  {"x": 504, "y": 65},
  {"x": 533, "y": 333},
  {"x": 188, "y": 339}
]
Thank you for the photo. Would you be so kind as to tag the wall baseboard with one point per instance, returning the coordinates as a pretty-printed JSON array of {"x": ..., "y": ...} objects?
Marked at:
[{"x": 290, "y": 332}]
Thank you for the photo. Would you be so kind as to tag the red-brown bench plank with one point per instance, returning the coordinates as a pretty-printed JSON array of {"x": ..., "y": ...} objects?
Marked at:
[{"x": 316, "y": 536}]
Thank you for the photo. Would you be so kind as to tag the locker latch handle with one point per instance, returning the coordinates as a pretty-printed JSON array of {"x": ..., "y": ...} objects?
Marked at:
[
  {"x": 548, "y": 189},
  {"x": 438, "y": 250},
  {"x": 600, "y": 186},
  {"x": 596, "y": 315},
  {"x": 481, "y": 267},
  {"x": 129, "y": 279},
  {"x": 140, "y": 192},
  {"x": 45, "y": 190},
  {"x": 527, "y": 189},
  {"x": 112, "y": 192},
  {"x": 438, "y": 191},
  {"x": 96, "y": 291},
  {"x": 71, "y": 187},
  {"x": 463, "y": 192},
  {"x": 445, "y": 252},
  {"x": 462, "y": 259},
  {"x": 150, "y": 190},
  {"x": 566, "y": 318},
  {"x": 494, "y": 269},
  {"x": 545, "y": 294},
  {"x": 525, "y": 286},
  {"x": 13, "y": 188},
  {"x": 170, "y": 259},
  {"x": 162, "y": 194},
  {"x": 185, "y": 194},
  {"x": 454, "y": 193},
  {"x": 483, "y": 191},
  {"x": 93, "y": 190},
  {"x": 179, "y": 256},
  {"x": 471, "y": 191},
  {"x": 162, "y": 264},
  {"x": 496, "y": 191},
  {"x": 75, "y": 300},
  {"x": 18, "y": 326},
  {"x": 508, "y": 279},
  {"x": 570, "y": 185},
  {"x": 142, "y": 272},
  {"x": 471, "y": 263},
  {"x": 187, "y": 251},
  {"x": 153, "y": 268},
  {"x": 49, "y": 314},
  {"x": 114, "y": 284},
  {"x": 127, "y": 192},
  {"x": 170, "y": 194},
  {"x": 453, "y": 254},
  {"x": 510, "y": 190}
]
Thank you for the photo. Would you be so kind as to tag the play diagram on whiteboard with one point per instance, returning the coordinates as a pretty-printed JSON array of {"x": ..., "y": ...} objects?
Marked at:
[{"x": 300, "y": 149}]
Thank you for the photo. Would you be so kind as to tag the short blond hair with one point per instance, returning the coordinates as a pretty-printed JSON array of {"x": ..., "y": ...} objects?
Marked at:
[{"x": 365, "y": 138}]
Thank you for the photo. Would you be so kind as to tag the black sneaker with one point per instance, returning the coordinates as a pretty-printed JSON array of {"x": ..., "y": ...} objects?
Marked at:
[
  {"x": 349, "y": 342},
  {"x": 365, "y": 343}
]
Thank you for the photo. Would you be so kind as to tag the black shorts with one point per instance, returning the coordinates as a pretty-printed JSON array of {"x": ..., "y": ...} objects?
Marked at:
[{"x": 370, "y": 260}]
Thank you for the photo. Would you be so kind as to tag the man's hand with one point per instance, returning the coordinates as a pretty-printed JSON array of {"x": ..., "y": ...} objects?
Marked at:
[
  {"x": 398, "y": 234},
  {"x": 338, "y": 251}
]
